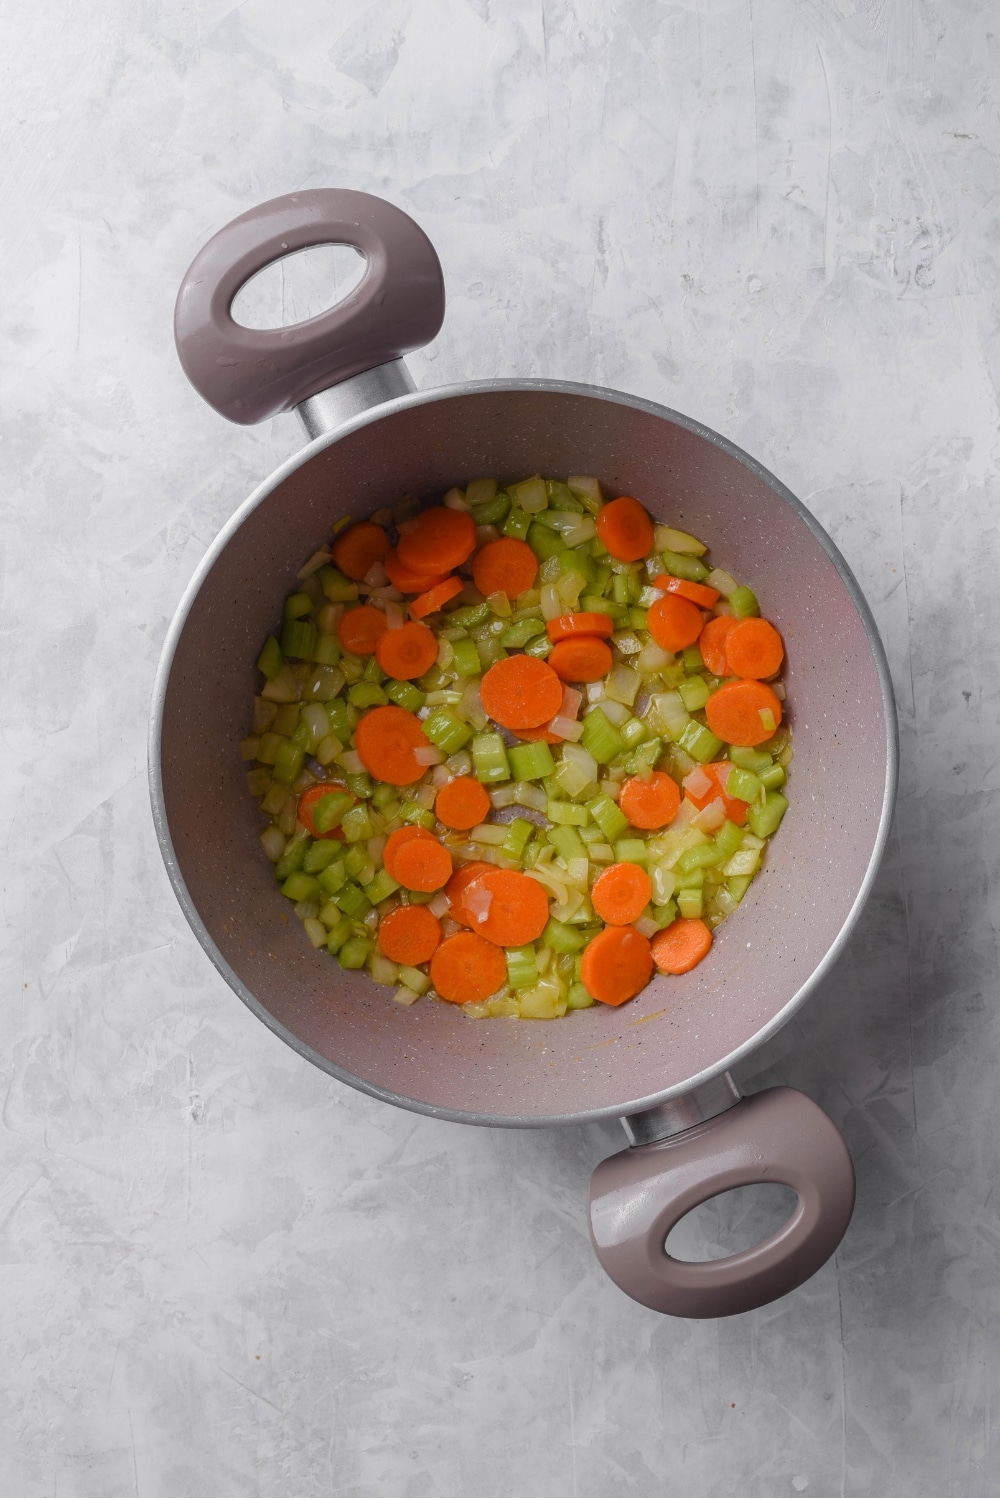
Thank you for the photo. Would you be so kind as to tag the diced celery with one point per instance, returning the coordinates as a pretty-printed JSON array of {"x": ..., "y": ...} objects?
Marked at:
[
  {"x": 644, "y": 758},
  {"x": 414, "y": 979},
  {"x": 446, "y": 732},
  {"x": 750, "y": 760},
  {"x": 298, "y": 637},
  {"x": 301, "y": 736},
  {"x": 561, "y": 497},
  {"x": 352, "y": 901},
  {"x": 743, "y": 603},
  {"x": 288, "y": 762},
  {"x": 333, "y": 877},
  {"x": 773, "y": 777},
  {"x": 738, "y": 885},
  {"x": 338, "y": 934},
  {"x": 327, "y": 811},
  {"x": 373, "y": 672},
  {"x": 466, "y": 661},
  {"x": 405, "y": 694},
  {"x": 692, "y": 659},
  {"x": 356, "y": 860},
  {"x": 470, "y": 615},
  {"x": 567, "y": 842},
  {"x": 728, "y": 839},
  {"x": 665, "y": 914},
  {"x": 699, "y": 742},
  {"x": 541, "y": 646},
  {"x": 601, "y": 737},
  {"x": 267, "y": 750},
  {"x": 744, "y": 862},
  {"x": 681, "y": 566},
  {"x": 543, "y": 541},
  {"x": 354, "y": 953},
  {"x": 633, "y": 732},
  {"x": 297, "y": 605},
  {"x": 567, "y": 814},
  {"x": 489, "y": 758},
  {"x": 326, "y": 650},
  {"x": 519, "y": 834},
  {"x": 270, "y": 660},
  {"x": 562, "y": 938},
  {"x": 522, "y": 970},
  {"x": 578, "y": 998},
  {"x": 480, "y": 491},
  {"x": 356, "y": 825},
  {"x": 693, "y": 693},
  {"x": 301, "y": 887},
  {"x": 696, "y": 859},
  {"x": 320, "y": 855},
  {"x": 631, "y": 851},
  {"x": 532, "y": 761},
  {"x": 414, "y": 812},
  {"x": 366, "y": 695},
  {"x": 380, "y": 887},
  {"x": 359, "y": 782},
  {"x": 521, "y": 632},
  {"x": 576, "y": 561},
  {"x": 743, "y": 785},
  {"x": 764, "y": 821},
  {"x": 596, "y": 604},
  {"x": 517, "y": 524},
  {"x": 492, "y": 512},
  {"x": 609, "y": 818},
  {"x": 341, "y": 722},
  {"x": 383, "y": 795},
  {"x": 529, "y": 494},
  {"x": 336, "y": 587},
  {"x": 689, "y": 903}
]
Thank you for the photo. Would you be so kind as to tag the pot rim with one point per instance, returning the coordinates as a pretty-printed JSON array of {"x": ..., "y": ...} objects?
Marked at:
[{"x": 495, "y": 387}]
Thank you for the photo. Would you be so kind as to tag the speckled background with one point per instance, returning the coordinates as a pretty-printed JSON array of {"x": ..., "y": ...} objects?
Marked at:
[{"x": 225, "y": 1273}]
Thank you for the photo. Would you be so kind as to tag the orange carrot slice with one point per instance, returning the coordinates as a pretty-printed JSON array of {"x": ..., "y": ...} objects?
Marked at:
[
  {"x": 744, "y": 712},
  {"x": 435, "y": 598},
  {"x": 422, "y": 864},
  {"x": 307, "y": 803},
  {"x": 582, "y": 658},
  {"x": 754, "y": 649},
  {"x": 521, "y": 692},
  {"x": 357, "y": 548},
  {"x": 581, "y": 623},
  {"x": 698, "y": 593},
  {"x": 407, "y": 652},
  {"x": 712, "y": 644},
  {"x": 717, "y": 774},
  {"x": 385, "y": 739},
  {"x": 679, "y": 947},
  {"x": 620, "y": 893},
  {"x": 406, "y": 579},
  {"x": 650, "y": 804},
  {"x": 409, "y": 934},
  {"x": 437, "y": 540},
  {"x": 395, "y": 842},
  {"x": 673, "y": 622},
  {"x": 359, "y": 629},
  {"x": 462, "y": 803},
  {"x": 625, "y": 529},
  {"x": 616, "y": 964},
  {"x": 467, "y": 967},
  {"x": 508, "y": 908},
  {"x": 505, "y": 566}
]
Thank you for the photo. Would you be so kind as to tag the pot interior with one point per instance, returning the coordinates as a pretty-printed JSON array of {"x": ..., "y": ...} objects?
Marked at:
[{"x": 601, "y": 1060}]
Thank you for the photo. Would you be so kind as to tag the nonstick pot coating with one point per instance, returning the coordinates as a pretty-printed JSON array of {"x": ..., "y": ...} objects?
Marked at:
[{"x": 793, "y": 920}]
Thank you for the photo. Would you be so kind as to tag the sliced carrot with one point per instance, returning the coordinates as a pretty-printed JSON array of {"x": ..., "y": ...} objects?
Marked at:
[
  {"x": 407, "y": 652},
  {"x": 462, "y": 803},
  {"x": 616, "y": 964},
  {"x": 437, "y": 540},
  {"x": 744, "y": 712},
  {"x": 385, "y": 739},
  {"x": 406, "y": 579},
  {"x": 717, "y": 774},
  {"x": 581, "y": 658},
  {"x": 542, "y": 732},
  {"x": 307, "y": 803},
  {"x": 754, "y": 649},
  {"x": 620, "y": 893},
  {"x": 506, "y": 907},
  {"x": 521, "y": 692},
  {"x": 357, "y": 548},
  {"x": 698, "y": 593},
  {"x": 677, "y": 948},
  {"x": 504, "y": 566},
  {"x": 652, "y": 803},
  {"x": 674, "y": 623},
  {"x": 422, "y": 864},
  {"x": 625, "y": 529},
  {"x": 435, "y": 598},
  {"x": 395, "y": 842},
  {"x": 712, "y": 644},
  {"x": 409, "y": 934},
  {"x": 467, "y": 967},
  {"x": 359, "y": 629},
  {"x": 459, "y": 884},
  {"x": 583, "y": 623}
]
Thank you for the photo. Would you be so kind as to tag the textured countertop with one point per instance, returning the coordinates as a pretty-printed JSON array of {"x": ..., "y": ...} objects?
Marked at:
[{"x": 225, "y": 1273}]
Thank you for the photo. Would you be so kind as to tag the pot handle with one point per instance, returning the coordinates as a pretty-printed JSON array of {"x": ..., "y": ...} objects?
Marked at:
[
  {"x": 248, "y": 374},
  {"x": 636, "y": 1198}
]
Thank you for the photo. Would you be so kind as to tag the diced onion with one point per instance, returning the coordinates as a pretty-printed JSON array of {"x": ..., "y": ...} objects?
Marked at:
[
  {"x": 499, "y": 604},
  {"x": 648, "y": 926},
  {"x": 581, "y": 532},
  {"x": 376, "y": 577},
  {"x": 441, "y": 776},
  {"x": 393, "y": 615},
  {"x": 455, "y": 500},
  {"x": 582, "y": 761},
  {"x": 698, "y": 783},
  {"x": 567, "y": 729},
  {"x": 550, "y": 602},
  {"x": 405, "y": 996},
  {"x": 274, "y": 842},
  {"x": 711, "y": 817},
  {"x": 439, "y": 904},
  {"x": 318, "y": 560},
  {"x": 428, "y": 755},
  {"x": 550, "y": 881},
  {"x": 778, "y": 689},
  {"x": 613, "y": 711},
  {"x": 504, "y": 796},
  {"x": 723, "y": 581},
  {"x": 351, "y": 762},
  {"x": 488, "y": 833},
  {"x": 424, "y": 797}
]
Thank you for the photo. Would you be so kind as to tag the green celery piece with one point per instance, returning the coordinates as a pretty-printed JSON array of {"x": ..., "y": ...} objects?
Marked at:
[
  {"x": 638, "y": 618},
  {"x": 567, "y": 842},
  {"x": 738, "y": 885},
  {"x": 340, "y": 722},
  {"x": 757, "y": 761},
  {"x": 543, "y": 541},
  {"x": 327, "y": 811},
  {"x": 320, "y": 855},
  {"x": 380, "y": 887},
  {"x": 412, "y": 812},
  {"x": 405, "y": 695},
  {"x": 338, "y": 934},
  {"x": 575, "y": 560},
  {"x": 288, "y": 762},
  {"x": 356, "y": 825},
  {"x": 354, "y": 953},
  {"x": 446, "y": 732},
  {"x": 743, "y": 603},
  {"x": 541, "y": 646},
  {"x": 267, "y": 750},
  {"x": 301, "y": 736},
  {"x": 596, "y": 604},
  {"x": 519, "y": 834},
  {"x": 631, "y": 851},
  {"x": 333, "y": 877},
  {"x": 352, "y": 900},
  {"x": 355, "y": 860},
  {"x": 680, "y": 566},
  {"x": 466, "y": 661},
  {"x": 298, "y": 637},
  {"x": 743, "y": 785},
  {"x": 693, "y": 880},
  {"x": 665, "y": 914},
  {"x": 692, "y": 659},
  {"x": 470, "y": 615},
  {"x": 579, "y": 998},
  {"x": 414, "y": 979},
  {"x": 373, "y": 672},
  {"x": 697, "y": 858},
  {"x": 633, "y": 732},
  {"x": 522, "y": 970},
  {"x": 728, "y": 839},
  {"x": 772, "y": 778},
  {"x": 301, "y": 887},
  {"x": 689, "y": 903},
  {"x": 296, "y": 606},
  {"x": 337, "y": 588},
  {"x": 567, "y": 814},
  {"x": 764, "y": 821},
  {"x": 292, "y": 858},
  {"x": 608, "y": 816},
  {"x": 561, "y": 497},
  {"x": 359, "y": 782},
  {"x": 601, "y": 737},
  {"x": 562, "y": 938},
  {"x": 699, "y": 742},
  {"x": 489, "y": 758},
  {"x": 326, "y": 650},
  {"x": 366, "y": 695},
  {"x": 694, "y": 693},
  {"x": 603, "y": 571},
  {"x": 270, "y": 659},
  {"x": 530, "y": 493},
  {"x": 644, "y": 757},
  {"x": 383, "y": 795},
  {"x": 531, "y": 762},
  {"x": 492, "y": 512},
  {"x": 517, "y": 524},
  {"x": 521, "y": 632}
]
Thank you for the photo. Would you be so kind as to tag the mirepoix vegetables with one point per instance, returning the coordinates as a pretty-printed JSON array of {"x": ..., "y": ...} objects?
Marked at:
[{"x": 519, "y": 749}]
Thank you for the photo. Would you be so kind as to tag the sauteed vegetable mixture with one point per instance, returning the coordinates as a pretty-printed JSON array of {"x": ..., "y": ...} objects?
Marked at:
[{"x": 518, "y": 749}]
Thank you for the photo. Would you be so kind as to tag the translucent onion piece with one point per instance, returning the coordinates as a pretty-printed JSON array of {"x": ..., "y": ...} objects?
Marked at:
[
  {"x": 351, "y": 762},
  {"x": 698, "y": 782},
  {"x": 724, "y": 582},
  {"x": 439, "y": 904},
  {"x": 376, "y": 577},
  {"x": 405, "y": 996},
  {"x": 488, "y": 833},
  {"x": 394, "y": 615},
  {"x": 648, "y": 926},
  {"x": 455, "y": 500},
  {"x": 567, "y": 729},
  {"x": 550, "y": 602},
  {"x": 318, "y": 560},
  {"x": 711, "y": 817},
  {"x": 428, "y": 755}
]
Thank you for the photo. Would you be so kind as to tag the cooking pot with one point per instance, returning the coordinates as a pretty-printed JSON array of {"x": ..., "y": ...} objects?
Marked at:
[{"x": 660, "y": 1063}]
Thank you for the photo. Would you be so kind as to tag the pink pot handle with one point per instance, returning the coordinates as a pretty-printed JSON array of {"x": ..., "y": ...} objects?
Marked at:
[
  {"x": 638, "y": 1196},
  {"x": 248, "y": 374}
]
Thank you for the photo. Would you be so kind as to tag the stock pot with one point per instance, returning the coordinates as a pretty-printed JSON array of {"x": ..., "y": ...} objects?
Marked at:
[{"x": 661, "y": 1063}]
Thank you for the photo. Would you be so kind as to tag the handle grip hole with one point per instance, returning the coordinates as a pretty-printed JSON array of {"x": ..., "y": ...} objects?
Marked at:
[
  {"x": 732, "y": 1222},
  {"x": 298, "y": 286}
]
